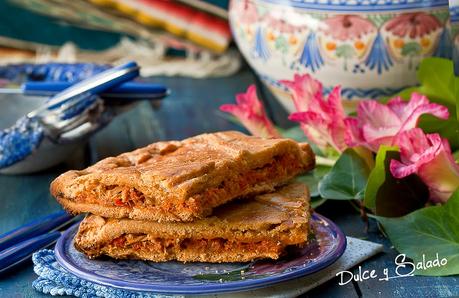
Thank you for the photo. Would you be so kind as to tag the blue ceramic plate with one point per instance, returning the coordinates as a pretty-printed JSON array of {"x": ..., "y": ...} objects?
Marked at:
[{"x": 325, "y": 248}]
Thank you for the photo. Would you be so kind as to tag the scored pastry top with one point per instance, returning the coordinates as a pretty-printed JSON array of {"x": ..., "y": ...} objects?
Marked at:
[{"x": 168, "y": 175}]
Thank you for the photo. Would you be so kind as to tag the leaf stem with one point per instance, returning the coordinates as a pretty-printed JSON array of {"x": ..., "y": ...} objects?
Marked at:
[
  {"x": 363, "y": 215},
  {"x": 360, "y": 208},
  {"x": 323, "y": 161}
]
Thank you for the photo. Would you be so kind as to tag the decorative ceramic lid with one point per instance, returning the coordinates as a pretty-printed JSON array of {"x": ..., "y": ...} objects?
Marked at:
[
  {"x": 359, "y": 5},
  {"x": 246, "y": 11}
]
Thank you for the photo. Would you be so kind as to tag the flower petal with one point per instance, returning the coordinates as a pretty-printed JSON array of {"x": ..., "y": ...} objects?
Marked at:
[
  {"x": 354, "y": 136},
  {"x": 411, "y": 143},
  {"x": 337, "y": 133},
  {"x": 332, "y": 108},
  {"x": 303, "y": 89},
  {"x": 373, "y": 134},
  {"x": 397, "y": 105},
  {"x": 379, "y": 124},
  {"x": 322, "y": 120},
  {"x": 314, "y": 127},
  {"x": 376, "y": 114},
  {"x": 400, "y": 170},
  {"x": 409, "y": 112},
  {"x": 431, "y": 108},
  {"x": 404, "y": 108},
  {"x": 429, "y": 156},
  {"x": 250, "y": 112}
]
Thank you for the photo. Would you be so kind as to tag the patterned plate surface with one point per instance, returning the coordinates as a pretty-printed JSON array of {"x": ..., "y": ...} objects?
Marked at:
[{"x": 325, "y": 248}]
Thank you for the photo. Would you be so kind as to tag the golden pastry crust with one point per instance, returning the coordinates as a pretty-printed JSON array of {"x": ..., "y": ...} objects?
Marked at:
[
  {"x": 182, "y": 180},
  {"x": 240, "y": 231}
]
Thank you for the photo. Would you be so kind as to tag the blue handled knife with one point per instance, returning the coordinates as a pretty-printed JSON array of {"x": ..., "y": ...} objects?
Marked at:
[
  {"x": 129, "y": 90},
  {"x": 34, "y": 228},
  {"x": 19, "y": 244}
]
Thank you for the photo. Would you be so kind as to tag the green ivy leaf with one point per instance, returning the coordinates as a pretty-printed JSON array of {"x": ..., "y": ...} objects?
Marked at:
[
  {"x": 456, "y": 94},
  {"x": 234, "y": 275},
  {"x": 426, "y": 233},
  {"x": 297, "y": 134},
  {"x": 437, "y": 80},
  {"x": 317, "y": 201},
  {"x": 377, "y": 176},
  {"x": 391, "y": 197},
  {"x": 294, "y": 133},
  {"x": 347, "y": 179},
  {"x": 438, "y": 83},
  {"x": 405, "y": 93},
  {"x": 312, "y": 180},
  {"x": 448, "y": 129}
]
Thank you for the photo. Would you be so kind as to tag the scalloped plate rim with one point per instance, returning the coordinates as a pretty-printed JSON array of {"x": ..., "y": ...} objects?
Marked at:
[{"x": 211, "y": 288}]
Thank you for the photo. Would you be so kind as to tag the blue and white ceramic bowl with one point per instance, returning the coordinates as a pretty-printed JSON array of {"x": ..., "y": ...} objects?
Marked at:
[
  {"x": 24, "y": 147},
  {"x": 48, "y": 154},
  {"x": 369, "y": 47}
]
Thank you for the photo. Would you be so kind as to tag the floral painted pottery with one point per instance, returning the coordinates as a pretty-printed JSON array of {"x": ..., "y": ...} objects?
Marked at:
[
  {"x": 370, "y": 47},
  {"x": 454, "y": 31}
]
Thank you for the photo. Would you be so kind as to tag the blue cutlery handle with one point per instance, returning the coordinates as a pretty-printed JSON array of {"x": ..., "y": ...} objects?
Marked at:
[
  {"x": 22, "y": 251},
  {"x": 95, "y": 85},
  {"x": 138, "y": 88},
  {"x": 116, "y": 81},
  {"x": 126, "y": 90},
  {"x": 34, "y": 228},
  {"x": 44, "y": 88}
]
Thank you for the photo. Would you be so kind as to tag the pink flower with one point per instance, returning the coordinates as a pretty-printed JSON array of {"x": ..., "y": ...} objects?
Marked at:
[
  {"x": 378, "y": 124},
  {"x": 428, "y": 156},
  {"x": 322, "y": 119},
  {"x": 250, "y": 111},
  {"x": 303, "y": 89}
]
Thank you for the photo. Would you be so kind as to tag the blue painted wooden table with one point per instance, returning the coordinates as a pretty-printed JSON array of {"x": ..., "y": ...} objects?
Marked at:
[{"x": 191, "y": 109}]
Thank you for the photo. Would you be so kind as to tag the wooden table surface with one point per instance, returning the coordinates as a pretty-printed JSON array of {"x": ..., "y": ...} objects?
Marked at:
[{"x": 192, "y": 109}]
